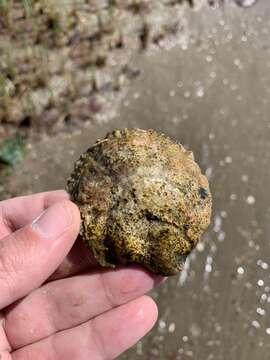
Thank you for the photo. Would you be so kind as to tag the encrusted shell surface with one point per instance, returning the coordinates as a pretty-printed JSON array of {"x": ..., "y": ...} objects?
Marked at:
[{"x": 142, "y": 199}]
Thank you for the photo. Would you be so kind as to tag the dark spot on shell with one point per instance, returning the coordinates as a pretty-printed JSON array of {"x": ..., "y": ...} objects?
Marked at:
[
  {"x": 110, "y": 254},
  {"x": 203, "y": 193},
  {"x": 151, "y": 217}
]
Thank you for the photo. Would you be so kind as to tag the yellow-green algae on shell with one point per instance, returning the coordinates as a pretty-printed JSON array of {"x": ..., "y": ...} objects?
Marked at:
[{"x": 142, "y": 199}]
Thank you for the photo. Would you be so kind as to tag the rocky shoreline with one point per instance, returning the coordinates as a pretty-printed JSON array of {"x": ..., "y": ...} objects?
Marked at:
[{"x": 64, "y": 65}]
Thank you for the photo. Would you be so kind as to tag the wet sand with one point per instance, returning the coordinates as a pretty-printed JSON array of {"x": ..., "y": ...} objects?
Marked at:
[{"x": 211, "y": 94}]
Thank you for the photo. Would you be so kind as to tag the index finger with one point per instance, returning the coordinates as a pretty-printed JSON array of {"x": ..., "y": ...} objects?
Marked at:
[{"x": 18, "y": 212}]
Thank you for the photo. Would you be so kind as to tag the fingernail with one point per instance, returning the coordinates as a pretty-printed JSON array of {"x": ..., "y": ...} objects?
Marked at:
[{"x": 53, "y": 221}]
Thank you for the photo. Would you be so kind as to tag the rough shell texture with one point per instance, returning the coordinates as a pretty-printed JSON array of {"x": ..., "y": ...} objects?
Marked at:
[{"x": 142, "y": 199}]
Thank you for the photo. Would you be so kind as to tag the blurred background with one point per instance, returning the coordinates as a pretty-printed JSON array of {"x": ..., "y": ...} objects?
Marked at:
[{"x": 197, "y": 70}]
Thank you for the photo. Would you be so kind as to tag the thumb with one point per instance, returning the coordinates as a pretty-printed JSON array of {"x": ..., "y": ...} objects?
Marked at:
[{"x": 30, "y": 255}]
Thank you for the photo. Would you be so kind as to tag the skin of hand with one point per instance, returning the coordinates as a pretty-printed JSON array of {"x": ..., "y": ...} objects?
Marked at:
[{"x": 55, "y": 301}]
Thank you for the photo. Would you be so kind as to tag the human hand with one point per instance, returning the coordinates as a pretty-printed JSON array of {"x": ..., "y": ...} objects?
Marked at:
[{"x": 45, "y": 312}]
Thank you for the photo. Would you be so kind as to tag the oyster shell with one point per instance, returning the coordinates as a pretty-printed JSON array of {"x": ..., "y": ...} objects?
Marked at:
[{"x": 142, "y": 199}]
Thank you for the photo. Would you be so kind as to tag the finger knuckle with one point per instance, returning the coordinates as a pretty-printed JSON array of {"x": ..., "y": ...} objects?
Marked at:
[{"x": 10, "y": 263}]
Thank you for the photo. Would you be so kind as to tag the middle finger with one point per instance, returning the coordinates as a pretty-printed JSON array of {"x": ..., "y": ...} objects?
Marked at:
[{"x": 66, "y": 303}]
